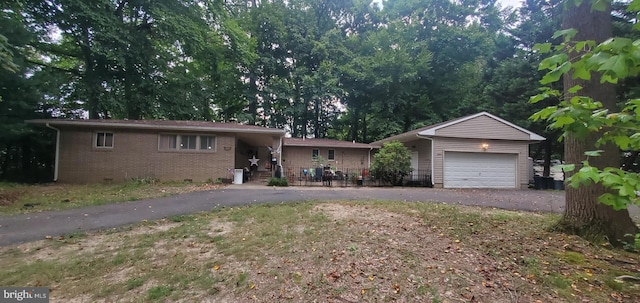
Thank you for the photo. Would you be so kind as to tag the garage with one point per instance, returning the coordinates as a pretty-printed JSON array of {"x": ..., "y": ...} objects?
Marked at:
[
  {"x": 476, "y": 151},
  {"x": 480, "y": 170}
]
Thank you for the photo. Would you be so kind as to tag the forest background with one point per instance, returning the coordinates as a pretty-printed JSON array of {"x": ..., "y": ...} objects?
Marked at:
[{"x": 343, "y": 69}]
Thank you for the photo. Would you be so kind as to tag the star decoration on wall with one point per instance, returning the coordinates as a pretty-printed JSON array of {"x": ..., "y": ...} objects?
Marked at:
[{"x": 254, "y": 161}]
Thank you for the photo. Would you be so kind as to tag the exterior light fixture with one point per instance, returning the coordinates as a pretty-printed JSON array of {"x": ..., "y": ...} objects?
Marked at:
[{"x": 485, "y": 146}]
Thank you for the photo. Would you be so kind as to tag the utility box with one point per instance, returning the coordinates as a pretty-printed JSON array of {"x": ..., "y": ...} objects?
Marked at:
[{"x": 237, "y": 175}]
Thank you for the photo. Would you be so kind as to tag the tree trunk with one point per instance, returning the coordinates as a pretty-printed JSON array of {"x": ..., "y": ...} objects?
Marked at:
[
  {"x": 253, "y": 99},
  {"x": 90, "y": 78},
  {"x": 317, "y": 113},
  {"x": 353, "y": 130},
  {"x": 584, "y": 215}
]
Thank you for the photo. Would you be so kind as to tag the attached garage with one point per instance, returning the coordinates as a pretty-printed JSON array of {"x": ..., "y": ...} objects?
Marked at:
[
  {"x": 480, "y": 170},
  {"x": 476, "y": 151}
]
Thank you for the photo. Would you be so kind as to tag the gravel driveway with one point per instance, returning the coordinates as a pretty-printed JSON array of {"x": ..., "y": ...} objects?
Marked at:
[{"x": 35, "y": 226}]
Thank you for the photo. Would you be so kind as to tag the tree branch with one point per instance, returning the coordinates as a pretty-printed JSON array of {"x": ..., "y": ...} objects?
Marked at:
[{"x": 71, "y": 71}]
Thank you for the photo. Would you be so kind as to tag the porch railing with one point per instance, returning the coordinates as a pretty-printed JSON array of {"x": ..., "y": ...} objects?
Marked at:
[{"x": 305, "y": 176}]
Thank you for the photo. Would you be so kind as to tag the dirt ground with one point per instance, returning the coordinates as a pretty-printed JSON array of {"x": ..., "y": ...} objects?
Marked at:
[{"x": 361, "y": 253}]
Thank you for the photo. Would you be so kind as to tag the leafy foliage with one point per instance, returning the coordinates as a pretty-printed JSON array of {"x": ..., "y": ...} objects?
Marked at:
[
  {"x": 392, "y": 163},
  {"x": 277, "y": 182},
  {"x": 613, "y": 60}
]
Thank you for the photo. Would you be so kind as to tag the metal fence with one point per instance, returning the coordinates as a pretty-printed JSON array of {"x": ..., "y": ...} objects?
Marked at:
[{"x": 305, "y": 176}]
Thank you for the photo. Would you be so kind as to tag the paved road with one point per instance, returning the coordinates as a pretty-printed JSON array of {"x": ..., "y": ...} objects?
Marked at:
[{"x": 35, "y": 226}]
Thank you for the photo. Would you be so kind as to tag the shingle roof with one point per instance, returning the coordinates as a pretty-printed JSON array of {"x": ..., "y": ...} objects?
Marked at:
[
  {"x": 428, "y": 131},
  {"x": 412, "y": 134},
  {"x": 326, "y": 143},
  {"x": 159, "y": 124}
]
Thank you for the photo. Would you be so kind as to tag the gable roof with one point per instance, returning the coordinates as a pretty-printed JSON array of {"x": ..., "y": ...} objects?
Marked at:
[
  {"x": 306, "y": 142},
  {"x": 430, "y": 131},
  {"x": 167, "y": 125}
]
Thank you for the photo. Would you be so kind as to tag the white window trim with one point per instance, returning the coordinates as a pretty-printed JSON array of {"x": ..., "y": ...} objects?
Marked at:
[
  {"x": 178, "y": 148},
  {"x": 95, "y": 140}
]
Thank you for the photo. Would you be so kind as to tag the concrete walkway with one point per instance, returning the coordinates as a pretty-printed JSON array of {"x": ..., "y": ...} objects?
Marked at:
[{"x": 36, "y": 226}]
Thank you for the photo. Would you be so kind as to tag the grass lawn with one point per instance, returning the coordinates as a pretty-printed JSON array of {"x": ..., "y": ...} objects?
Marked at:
[
  {"x": 19, "y": 198},
  {"x": 338, "y": 251}
]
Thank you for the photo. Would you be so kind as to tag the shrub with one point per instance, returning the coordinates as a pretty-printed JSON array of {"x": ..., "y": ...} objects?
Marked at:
[
  {"x": 392, "y": 163},
  {"x": 278, "y": 182},
  {"x": 144, "y": 180}
]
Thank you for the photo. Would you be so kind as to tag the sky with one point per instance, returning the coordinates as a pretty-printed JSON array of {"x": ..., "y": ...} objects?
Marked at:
[
  {"x": 513, "y": 3},
  {"x": 505, "y": 3}
]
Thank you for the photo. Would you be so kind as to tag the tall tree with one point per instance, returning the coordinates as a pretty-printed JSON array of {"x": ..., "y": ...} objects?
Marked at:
[
  {"x": 583, "y": 213},
  {"x": 24, "y": 151},
  {"x": 588, "y": 115}
]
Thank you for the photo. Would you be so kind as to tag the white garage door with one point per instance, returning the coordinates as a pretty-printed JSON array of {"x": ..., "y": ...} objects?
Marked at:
[{"x": 479, "y": 170}]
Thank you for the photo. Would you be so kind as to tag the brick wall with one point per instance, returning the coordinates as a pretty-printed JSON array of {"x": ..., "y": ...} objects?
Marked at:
[{"x": 135, "y": 154}]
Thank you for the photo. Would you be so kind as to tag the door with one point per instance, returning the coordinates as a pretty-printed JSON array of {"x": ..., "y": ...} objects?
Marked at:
[
  {"x": 414, "y": 165},
  {"x": 480, "y": 170}
]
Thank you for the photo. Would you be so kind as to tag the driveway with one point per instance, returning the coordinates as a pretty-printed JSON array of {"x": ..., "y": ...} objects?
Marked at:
[{"x": 36, "y": 226}]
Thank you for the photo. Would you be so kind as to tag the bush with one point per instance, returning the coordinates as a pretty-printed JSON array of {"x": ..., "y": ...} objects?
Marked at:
[
  {"x": 392, "y": 163},
  {"x": 278, "y": 182},
  {"x": 144, "y": 180}
]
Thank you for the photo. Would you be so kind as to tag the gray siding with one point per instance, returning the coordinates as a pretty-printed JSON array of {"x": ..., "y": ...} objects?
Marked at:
[
  {"x": 519, "y": 148},
  {"x": 482, "y": 127},
  {"x": 423, "y": 147}
]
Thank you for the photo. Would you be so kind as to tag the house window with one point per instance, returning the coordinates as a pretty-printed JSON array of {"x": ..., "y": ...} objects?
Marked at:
[
  {"x": 170, "y": 142},
  {"x": 331, "y": 155},
  {"x": 104, "y": 140},
  {"x": 208, "y": 143},
  {"x": 315, "y": 153},
  {"x": 188, "y": 142}
]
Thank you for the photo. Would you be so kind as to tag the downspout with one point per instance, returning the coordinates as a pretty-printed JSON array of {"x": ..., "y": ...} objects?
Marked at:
[
  {"x": 280, "y": 149},
  {"x": 432, "y": 150},
  {"x": 57, "y": 158},
  {"x": 369, "y": 156}
]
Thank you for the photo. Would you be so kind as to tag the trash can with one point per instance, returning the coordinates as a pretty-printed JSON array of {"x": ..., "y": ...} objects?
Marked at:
[
  {"x": 237, "y": 175},
  {"x": 537, "y": 182},
  {"x": 558, "y": 184}
]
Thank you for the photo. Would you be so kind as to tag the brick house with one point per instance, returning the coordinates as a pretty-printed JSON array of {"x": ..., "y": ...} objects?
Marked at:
[
  {"x": 476, "y": 151},
  {"x": 117, "y": 150}
]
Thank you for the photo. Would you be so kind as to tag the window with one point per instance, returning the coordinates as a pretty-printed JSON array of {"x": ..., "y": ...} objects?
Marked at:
[
  {"x": 315, "y": 153},
  {"x": 207, "y": 143},
  {"x": 331, "y": 155},
  {"x": 104, "y": 140},
  {"x": 170, "y": 142},
  {"x": 188, "y": 142}
]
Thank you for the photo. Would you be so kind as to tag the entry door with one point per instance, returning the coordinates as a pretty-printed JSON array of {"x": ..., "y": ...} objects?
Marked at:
[{"x": 414, "y": 165}]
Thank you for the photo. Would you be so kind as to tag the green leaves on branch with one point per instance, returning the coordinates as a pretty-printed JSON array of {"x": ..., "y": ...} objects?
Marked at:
[
  {"x": 614, "y": 59},
  {"x": 6, "y": 57},
  {"x": 625, "y": 186}
]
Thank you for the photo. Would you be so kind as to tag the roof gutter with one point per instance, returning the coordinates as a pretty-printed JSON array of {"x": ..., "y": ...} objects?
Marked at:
[
  {"x": 432, "y": 150},
  {"x": 161, "y": 127},
  {"x": 57, "y": 157}
]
